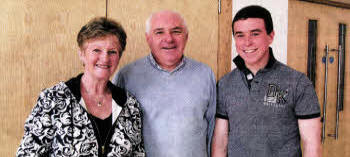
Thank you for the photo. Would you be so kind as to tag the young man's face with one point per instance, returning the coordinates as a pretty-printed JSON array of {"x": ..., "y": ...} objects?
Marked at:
[{"x": 252, "y": 41}]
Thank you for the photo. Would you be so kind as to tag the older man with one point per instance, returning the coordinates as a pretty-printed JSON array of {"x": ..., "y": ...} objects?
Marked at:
[
  {"x": 177, "y": 94},
  {"x": 264, "y": 106}
]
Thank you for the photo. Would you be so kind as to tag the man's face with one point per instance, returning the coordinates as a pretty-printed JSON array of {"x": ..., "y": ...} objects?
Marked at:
[
  {"x": 252, "y": 41},
  {"x": 167, "y": 39}
]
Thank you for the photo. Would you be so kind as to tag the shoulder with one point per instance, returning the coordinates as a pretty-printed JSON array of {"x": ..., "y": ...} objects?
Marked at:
[
  {"x": 52, "y": 98},
  {"x": 288, "y": 76},
  {"x": 285, "y": 68},
  {"x": 289, "y": 73},
  {"x": 118, "y": 94},
  {"x": 199, "y": 71},
  {"x": 197, "y": 66},
  {"x": 122, "y": 96},
  {"x": 58, "y": 91},
  {"x": 131, "y": 100},
  {"x": 130, "y": 70},
  {"x": 135, "y": 65},
  {"x": 133, "y": 106},
  {"x": 229, "y": 77},
  {"x": 191, "y": 62}
]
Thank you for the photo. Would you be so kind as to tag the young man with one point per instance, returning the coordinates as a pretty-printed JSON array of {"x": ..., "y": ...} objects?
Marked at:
[
  {"x": 177, "y": 94},
  {"x": 264, "y": 106}
]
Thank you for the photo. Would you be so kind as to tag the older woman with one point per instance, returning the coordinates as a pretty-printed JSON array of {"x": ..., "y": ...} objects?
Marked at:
[{"x": 87, "y": 115}]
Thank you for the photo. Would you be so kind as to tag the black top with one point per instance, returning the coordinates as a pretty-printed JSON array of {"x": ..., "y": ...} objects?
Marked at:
[
  {"x": 102, "y": 126},
  {"x": 118, "y": 95}
]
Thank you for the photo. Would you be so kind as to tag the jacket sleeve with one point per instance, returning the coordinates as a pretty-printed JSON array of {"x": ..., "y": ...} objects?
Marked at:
[
  {"x": 139, "y": 149},
  {"x": 38, "y": 130}
]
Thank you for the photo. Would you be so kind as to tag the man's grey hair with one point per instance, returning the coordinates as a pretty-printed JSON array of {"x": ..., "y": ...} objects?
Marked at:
[{"x": 148, "y": 21}]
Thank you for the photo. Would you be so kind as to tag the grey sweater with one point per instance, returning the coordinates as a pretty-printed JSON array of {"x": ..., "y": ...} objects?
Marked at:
[{"x": 178, "y": 107}]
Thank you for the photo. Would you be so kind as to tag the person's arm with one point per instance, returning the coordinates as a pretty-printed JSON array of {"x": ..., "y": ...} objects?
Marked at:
[
  {"x": 211, "y": 111},
  {"x": 220, "y": 138},
  {"x": 38, "y": 129},
  {"x": 307, "y": 110},
  {"x": 310, "y": 132},
  {"x": 139, "y": 149}
]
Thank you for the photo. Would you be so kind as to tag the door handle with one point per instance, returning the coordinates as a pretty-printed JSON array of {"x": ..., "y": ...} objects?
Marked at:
[
  {"x": 325, "y": 95},
  {"x": 340, "y": 79}
]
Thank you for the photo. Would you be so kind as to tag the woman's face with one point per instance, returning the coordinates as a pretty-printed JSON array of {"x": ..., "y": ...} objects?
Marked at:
[{"x": 100, "y": 56}]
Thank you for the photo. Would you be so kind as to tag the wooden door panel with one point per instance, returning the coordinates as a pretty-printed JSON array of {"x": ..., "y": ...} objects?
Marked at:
[{"x": 328, "y": 19}]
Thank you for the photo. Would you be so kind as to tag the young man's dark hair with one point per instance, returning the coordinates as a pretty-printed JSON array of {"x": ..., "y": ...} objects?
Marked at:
[{"x": 254, "y": 11}]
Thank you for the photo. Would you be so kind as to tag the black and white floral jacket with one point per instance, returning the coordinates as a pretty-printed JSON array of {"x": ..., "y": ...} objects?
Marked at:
[{"x": 60, "y": 126}]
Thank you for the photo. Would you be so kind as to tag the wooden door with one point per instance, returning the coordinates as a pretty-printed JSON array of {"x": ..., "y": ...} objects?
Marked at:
[
  {"x": 328, "y": 19},
  {"x": 37, "y": 49},
  {"x": 201, "y": 17}
]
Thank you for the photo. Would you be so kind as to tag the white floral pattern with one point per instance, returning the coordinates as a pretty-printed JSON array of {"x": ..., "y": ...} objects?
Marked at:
[{"x": 51, "y": 130}]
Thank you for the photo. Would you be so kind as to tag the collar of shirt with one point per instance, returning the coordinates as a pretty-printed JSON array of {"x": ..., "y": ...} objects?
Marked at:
[
  {"x": 157, "y": 66},
  {"x": 248, "y": 74}
]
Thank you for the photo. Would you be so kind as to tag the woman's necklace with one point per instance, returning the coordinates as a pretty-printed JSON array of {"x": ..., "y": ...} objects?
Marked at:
[
  {"x": 97, "y": 99},
  {"x": 99, "y": 102}
]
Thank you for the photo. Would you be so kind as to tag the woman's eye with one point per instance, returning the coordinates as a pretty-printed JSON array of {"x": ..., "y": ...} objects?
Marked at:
[{"x": 96, "y": 50}]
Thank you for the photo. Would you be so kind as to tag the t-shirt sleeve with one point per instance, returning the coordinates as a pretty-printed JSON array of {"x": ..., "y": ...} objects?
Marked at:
[
  {"x": 307, "y": 105},
  {"x": 221, "y": 111}
]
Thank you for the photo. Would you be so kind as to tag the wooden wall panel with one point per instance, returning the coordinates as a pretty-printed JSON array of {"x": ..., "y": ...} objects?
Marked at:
[
  {"x": 328, "y": 18},
  {"x": 38, "y": 49},
  {"x": 225, "y": 39},
  {"x": 201, "y": 17},
  {"x": 334, "y": 3}
]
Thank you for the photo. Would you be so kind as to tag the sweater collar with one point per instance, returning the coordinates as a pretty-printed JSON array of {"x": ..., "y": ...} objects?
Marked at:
[{"x": 157, "y": 66}]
